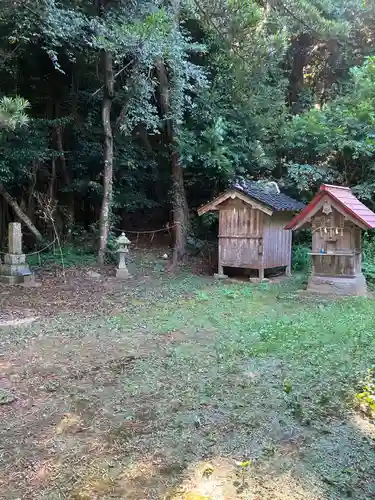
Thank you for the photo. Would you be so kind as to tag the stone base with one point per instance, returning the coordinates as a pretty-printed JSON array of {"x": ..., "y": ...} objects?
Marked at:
[
  {"x": 11, "y": 280},
  {"x": 220, "y": 276},
  {"x": 14, "y": 259},
  {"x": 122, "y": 274},
  {"x": 15, "y": 270},
  {"x": 339, "y": 286},
  {"x": 18, "y": 280}
]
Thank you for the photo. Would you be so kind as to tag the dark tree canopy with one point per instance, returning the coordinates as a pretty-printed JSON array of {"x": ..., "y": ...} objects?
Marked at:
[{"x": 134, "y": 113}]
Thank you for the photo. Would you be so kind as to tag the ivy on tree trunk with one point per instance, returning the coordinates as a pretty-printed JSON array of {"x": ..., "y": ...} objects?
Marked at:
[
  {"x": 108, "y": 92},
  {"x": 179, "y": 201},
  {"x": 180, "y": 209}
]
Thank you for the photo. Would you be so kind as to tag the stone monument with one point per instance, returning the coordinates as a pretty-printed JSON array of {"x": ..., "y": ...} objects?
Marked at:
[
  {"x": 122, "y": 271},
  {"x": 14, "y": 270}
]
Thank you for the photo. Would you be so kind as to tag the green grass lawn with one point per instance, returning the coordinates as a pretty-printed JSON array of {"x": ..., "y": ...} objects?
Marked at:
[{"x": 190, "y": 378}]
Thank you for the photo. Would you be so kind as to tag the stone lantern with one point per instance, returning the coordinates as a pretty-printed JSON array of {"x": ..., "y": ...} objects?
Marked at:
[{"x": 123, "y": 243}]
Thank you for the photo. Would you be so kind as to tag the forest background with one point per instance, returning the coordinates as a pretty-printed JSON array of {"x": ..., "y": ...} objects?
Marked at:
[{"x": 131, "y": 114}]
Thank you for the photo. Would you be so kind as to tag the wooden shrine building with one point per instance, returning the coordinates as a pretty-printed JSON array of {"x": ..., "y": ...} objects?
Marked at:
[
  {"x": 252, "y": 217},
  {"x": 337, "y": 219}
]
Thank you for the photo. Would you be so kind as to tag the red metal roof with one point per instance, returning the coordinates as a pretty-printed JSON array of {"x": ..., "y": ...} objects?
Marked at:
[{"x": 347, "y": 201}]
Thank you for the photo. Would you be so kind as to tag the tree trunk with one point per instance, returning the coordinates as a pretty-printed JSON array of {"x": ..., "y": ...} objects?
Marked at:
[
  {"x": 21, "y": 215},
  {"x": 52, "y": 182},
  {"x": 180, "y": 210},
  {"x": 299, "y": 57},
  {"x": 31, "y": 198},
  {"x": 108, "y": 155},
  {"x": 179, "y": 202}
]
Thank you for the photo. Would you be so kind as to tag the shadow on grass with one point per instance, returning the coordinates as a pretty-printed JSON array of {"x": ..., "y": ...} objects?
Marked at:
[{"x": 165, "y": 400}]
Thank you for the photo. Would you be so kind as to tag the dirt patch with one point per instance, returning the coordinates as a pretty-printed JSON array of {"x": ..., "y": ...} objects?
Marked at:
[{"x": 74, "y": 292}]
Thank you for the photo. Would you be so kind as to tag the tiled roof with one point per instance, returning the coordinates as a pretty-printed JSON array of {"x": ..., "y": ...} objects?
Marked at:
[
  {"x": 345, "y": 198},
  {"x": 268, "y": 195}
]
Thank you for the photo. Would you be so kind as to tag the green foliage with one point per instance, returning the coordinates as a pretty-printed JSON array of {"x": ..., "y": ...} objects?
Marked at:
[
  {"x": 237, "y": 72},
  {"x": 205, "y": 226},
  {"x": 301, "y": 260},
  {"x": 287, "y": 387},
  {"x": 72, "y": 256},
  {"x": 13, "y": 112},
  {"x": 368, "y": 260},
  {"x": 336, "y": 143},
  {"x": 231, "y": 127},
  {"x": 20, "y": 149},
  {"x": 366, "y": 397},
  {"x": 6, "y": 397},
  {"x": 242, "y": 473}
]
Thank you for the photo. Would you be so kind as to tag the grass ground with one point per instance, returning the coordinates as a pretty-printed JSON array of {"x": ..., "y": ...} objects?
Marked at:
[{"x": 172, "y": 383}]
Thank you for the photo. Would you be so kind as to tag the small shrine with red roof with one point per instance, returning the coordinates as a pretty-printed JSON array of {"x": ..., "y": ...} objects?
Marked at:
[{"x": 337, "y": 219}]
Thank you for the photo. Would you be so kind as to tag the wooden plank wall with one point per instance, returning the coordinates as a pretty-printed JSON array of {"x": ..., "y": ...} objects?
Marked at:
[
  {"x": 277, "y": 241},
  {"x": 335, "y": 265},
  {"x": 240, "y": 235},
  {"x": 350, "y": 240}
]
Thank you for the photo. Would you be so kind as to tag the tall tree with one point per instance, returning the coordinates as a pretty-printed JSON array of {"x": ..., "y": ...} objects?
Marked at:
[
  {"x": 172, "y": 87},
  {"x": 108, "y": 95},
  {"x": 128, "y": 95}
]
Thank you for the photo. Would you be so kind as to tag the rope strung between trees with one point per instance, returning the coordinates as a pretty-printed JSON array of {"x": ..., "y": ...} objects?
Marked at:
[
  {"x": 138, "y": 233},
  {"x": 42, "y": 250},
  {"x": 37, "y": 252},
  {"x": 152, "y": 232},
  {"x": 166, "y": 228}
]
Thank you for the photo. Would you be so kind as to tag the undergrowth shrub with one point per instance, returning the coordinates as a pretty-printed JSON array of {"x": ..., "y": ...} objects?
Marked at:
[
  {"x": 368, "y": 258},
  {"x": 72, "y": 255},
  {"x": 301, "y": 260},
  {"x": 366, "y": 396}
]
